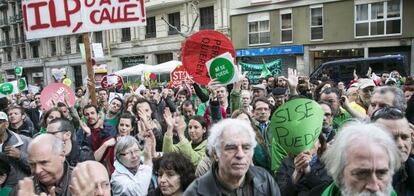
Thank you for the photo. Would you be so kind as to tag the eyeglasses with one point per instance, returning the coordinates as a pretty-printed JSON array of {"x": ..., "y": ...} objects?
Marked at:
[
  {"x": 132, "y": 152},
  {"x": 368, "y": 89},
  {"x": 387, "y": 113},
  {"x": 54, "y": 133}
]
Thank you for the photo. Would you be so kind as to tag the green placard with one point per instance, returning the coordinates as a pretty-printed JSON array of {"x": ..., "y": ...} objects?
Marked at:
[
  {"x": 18, "y": 71},
  {"x": 296, "y": 125},
  {"x": 222, "y": 69},
  {"x": 21, "y": 83},
  {"x": 6, "y": 88}
]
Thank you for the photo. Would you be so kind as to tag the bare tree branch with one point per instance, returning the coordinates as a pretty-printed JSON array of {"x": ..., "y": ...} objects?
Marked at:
[{"x": 190, "y": 30}]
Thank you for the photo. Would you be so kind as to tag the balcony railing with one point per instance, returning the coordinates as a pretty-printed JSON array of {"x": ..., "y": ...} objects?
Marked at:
[
  {"x": 4, "y": 44},
  {"x": 4, "y": 22},
  {"x": 207, "y": 26},
  {"x": 150, "y": 35},
  {"x": 3, "y": 4}
]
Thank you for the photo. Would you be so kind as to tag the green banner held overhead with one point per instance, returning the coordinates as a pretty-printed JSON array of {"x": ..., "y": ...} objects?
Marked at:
[
  {"x": 296, "y": 125},
  {"x": 256, "y": 71}
]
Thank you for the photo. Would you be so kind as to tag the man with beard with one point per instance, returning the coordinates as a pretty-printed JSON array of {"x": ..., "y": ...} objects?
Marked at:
[
  {"x": 95, "y": 133},
  {"x": 365, "y": 88},
  {"x": 114, "y": 110},
  {"x": 397, "y": 125},
  {"x": 361, "y": 161},
  {"x": 17, "y": 122},
  {"x": 280, "y": 95},
  {"x": 327, "y": 129},
  {"x": 231, "y": 144}
]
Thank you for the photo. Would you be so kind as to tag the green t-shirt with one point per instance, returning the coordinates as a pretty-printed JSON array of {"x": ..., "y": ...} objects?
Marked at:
[{"x": 341, "y": 119}]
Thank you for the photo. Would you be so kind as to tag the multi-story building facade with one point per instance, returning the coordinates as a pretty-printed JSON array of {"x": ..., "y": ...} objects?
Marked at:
[
  {"x": 306, "y": 33},
  {"x": 153, "y": 44}
]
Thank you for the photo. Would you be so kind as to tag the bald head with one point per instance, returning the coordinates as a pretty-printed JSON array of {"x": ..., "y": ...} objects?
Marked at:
[
  {"x": 47, "y": 141},
  {"x": 46, "y": 159}
]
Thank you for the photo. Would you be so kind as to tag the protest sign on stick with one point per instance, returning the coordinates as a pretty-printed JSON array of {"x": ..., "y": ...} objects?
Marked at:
[
  {"x": 200, "y": 48},
  {"x": 54, "y": 93},
  {"x": 296, "y": 125}
]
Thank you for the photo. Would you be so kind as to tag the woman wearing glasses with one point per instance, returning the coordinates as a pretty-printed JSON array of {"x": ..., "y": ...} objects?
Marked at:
[{"x": 132, "y": 175}]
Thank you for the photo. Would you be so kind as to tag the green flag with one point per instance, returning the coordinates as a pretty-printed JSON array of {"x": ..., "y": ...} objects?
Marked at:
[{"x": 265, "y": 71}]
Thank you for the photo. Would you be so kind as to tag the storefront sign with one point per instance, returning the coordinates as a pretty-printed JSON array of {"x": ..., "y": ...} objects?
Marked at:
[
  {"x": 283, "y": 50},
  {"x": 48, "y": 18}
]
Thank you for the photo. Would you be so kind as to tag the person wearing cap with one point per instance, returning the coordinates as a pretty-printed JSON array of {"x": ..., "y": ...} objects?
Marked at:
[
  {"x": 280, "y": 96},
  {"x": 365, "y": 88},
  {"x": 259, "y": 90},
  {"x": 13, "y": 149}
]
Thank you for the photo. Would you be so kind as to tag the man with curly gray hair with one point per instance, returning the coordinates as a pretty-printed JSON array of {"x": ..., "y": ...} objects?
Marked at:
[
  {"x": 231, "y": 145},
  {"x": 387, "y": 96},
  {"x": 361, "y": 161}
]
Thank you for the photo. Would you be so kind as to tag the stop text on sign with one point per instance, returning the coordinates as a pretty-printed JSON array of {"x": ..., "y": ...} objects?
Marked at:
[{"x": 48, "y": 18}]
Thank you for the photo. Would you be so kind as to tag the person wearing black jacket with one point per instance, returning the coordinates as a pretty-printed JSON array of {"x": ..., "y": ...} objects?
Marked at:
[
  {"x": 64, "y": 130},
  {"x": 394, "y": 121}
]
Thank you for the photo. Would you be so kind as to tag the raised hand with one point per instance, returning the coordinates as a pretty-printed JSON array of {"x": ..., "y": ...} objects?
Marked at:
[
  {"x": 169, "y": 120},
  {"x": 82, "y": 180}
]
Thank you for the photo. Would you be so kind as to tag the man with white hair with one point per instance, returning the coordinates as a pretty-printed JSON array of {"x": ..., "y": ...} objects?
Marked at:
[
  {"x": 361, "y": 161},
  {"x": 231, "y": 145}
]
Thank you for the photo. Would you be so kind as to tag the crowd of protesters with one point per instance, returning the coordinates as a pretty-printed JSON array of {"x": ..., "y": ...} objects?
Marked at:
[{"x": 211, "y": 140}]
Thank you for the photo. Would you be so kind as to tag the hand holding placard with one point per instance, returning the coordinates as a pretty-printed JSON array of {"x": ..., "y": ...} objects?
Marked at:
[{"x": 296, "y": 125}]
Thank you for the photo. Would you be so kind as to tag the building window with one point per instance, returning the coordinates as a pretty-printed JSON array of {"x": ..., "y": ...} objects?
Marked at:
[
  {"x": 286, "y": 29},
  {"x": 9, "y": 55},
  {"x": 207, "y": 17},
  {"x": 24, "y": 52},
  {"x": 18, "y": 52},
  {"x": 126, "y": 34},
  {"x": 150, "y": 28},
  {"x": 68, "y": 48},
  {"x": 316, "y": 23},
  {"x": 378, "y": 19},
  {"x": 35, "y": 49},
  {"x": 174, "y": 20},
  {"x": 52, "y": 45},
  {"x": 98, "y": 37},
  {"x": 79, "y": 40},
  {"x": 259, "y": 28},
  {"x": 162, "y": 58}
]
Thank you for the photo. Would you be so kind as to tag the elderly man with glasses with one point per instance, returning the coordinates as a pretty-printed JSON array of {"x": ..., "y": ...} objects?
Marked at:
[{"x": 394, "y": 121}]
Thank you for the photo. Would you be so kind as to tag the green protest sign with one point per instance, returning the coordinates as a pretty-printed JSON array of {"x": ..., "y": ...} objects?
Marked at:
[
  {"x": 223, "y": 69},
  {"x": 18, "y": 71},
  {"x": 21, "y": 83},
  {"x": 296, "y": 125},
  {"x": 13, "y": 87},
  {"x": 6, "y": 88}
]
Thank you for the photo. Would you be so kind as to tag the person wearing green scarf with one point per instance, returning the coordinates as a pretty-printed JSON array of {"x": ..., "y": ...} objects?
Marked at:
[{"x": 362, "y": 160}]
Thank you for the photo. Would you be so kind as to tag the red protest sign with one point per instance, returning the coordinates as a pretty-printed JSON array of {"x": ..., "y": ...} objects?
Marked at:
[
  {"x": 200, "y": 48},
  {"x": 47, "y": 18},
  {"x": 179, "y": 75},
  {"x": 54, "y": 93},
  {"x": 112, "y": 79}
]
